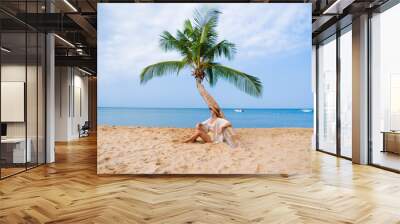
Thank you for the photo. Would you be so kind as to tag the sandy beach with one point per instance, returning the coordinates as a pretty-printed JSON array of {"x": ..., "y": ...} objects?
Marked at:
[{"x": 138, "y": 150}]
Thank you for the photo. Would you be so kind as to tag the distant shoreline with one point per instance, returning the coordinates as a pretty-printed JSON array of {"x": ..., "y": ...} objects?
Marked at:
[
  {"x": 161, "y": 128},
  {"x": 188, "y": 117},
  {"x": 224, "y": 108}
]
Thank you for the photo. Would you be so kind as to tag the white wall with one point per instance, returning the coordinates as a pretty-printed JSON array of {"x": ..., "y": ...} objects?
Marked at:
[
  {"x": 80, "y": 109},
  {"x": 15, "y": 72},
  {"x": 71, "y": 87},
  {"x": 33, "y": 127},
  {"x": 62, "y": 82}
]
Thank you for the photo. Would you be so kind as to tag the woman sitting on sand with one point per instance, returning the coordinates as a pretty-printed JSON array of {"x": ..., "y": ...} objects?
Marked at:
[{"x": 215, "y": 124}]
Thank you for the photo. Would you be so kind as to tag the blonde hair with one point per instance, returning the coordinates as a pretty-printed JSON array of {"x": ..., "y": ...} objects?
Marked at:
[{"x": 217, "y": 111}]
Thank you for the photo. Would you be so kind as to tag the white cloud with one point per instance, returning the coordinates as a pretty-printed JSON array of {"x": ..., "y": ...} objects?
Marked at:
[
  {"x": 129, "y": 33},
  {"x": 266, "y": 30}
]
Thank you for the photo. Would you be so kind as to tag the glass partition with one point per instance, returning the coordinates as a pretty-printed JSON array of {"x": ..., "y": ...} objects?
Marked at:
[
  {"x": 385, "y": 89},
  {"x": 22, "y": 91},
  {"x": 327, "y": 95},
  {"x": 346, "y": 93},
  {"x": 32, "y": 95},
  {"x": 41, "y": 107},
  {"x": 14, "y": 153}
]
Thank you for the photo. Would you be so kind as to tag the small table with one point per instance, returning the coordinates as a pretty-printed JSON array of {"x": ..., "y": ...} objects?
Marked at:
[
  {"x": 17, "y": 153},
  {"x": 391, "y": 141}
]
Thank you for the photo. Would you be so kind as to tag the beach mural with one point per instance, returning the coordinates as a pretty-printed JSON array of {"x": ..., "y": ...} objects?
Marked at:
[{"x": 204, "y": 89}]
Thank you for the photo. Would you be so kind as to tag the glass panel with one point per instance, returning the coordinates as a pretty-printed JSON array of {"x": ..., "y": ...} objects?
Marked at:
[
  {"x": 31, "y": 100},
  {"x": 13, "y": 89},
  {"x": 41, "y": 99},
  {"x": 31, "y": 88},
  {"x": 346, "y": 94},
  {"x": 385, "y": 82},
  {"x": 327, "y": 96}
]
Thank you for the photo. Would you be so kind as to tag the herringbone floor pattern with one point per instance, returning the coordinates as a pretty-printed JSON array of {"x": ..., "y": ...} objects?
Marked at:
[{"x": 69, "y": 191}]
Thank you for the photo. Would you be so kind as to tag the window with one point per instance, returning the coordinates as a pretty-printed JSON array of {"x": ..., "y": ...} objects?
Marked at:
[
  {"x": 346, "y": 92},
  {"x": 385, "y": 89},
  {"x": 327, "y": 95}
]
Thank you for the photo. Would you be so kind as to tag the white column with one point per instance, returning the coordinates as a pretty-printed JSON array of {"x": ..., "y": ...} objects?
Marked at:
[
  {"x": 360, "y": 90},
  {"x": 50, "y": 99},
  {"x": 50, "y": 92},
  {"x": 63, "y": 100}
]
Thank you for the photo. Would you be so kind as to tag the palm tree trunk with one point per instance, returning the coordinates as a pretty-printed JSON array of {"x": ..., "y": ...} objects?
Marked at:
[{"x": 210, "y": 101}]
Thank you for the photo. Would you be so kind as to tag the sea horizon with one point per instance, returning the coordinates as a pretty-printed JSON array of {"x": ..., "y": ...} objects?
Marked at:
[
  {"x": 188, "y": 117},
  {"x": 261, "y": 108}
]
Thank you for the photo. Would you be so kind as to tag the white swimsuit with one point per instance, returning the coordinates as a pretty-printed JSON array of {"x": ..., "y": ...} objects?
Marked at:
[{"x": 217, "y": 137}]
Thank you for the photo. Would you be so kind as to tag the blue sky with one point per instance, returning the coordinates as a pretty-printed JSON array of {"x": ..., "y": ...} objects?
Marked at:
[{"x": 273, "y": 43}]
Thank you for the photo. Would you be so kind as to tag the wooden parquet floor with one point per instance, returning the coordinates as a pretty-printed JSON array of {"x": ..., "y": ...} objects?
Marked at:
[{"x": 69, "y": 191}]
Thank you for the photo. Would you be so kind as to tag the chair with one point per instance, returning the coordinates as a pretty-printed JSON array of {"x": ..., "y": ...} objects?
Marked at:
[{"x": 84, "y": 130}]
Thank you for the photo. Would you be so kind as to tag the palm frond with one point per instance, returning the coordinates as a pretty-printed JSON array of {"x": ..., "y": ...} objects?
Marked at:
[
  {"x": 161, "y": 69},
  {"x": 210, "y": 77},
  {"x": 179, "y": 43},
  {"x": 184, "y": 45},
  {"x": 201, "y": 18},
  {"x": 206, "y": 23},
  {"x": 168, "y": 41},
  {"x": 208, "y": 32},
  {"x": 223, "y": 48},
  {"x": 247, "y": 83},
  {"x": 188, "y": 29}
]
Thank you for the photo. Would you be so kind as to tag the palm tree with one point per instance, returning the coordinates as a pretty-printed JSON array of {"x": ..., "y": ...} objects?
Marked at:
[{"x": 199, "y": 47}]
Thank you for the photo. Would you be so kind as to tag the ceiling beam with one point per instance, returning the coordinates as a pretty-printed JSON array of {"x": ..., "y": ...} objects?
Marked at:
[
  {"x": 337, "y": 7},
  {"x": 86, "y": 26},
  {"x": 79, "y": 61}
]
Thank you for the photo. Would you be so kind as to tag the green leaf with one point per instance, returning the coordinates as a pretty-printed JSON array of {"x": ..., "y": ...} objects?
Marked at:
[
  {"x": 247, "y": 83},
  {"x": 222, "y": 49},
  {"x": 210, "y": 77},
  {"x": 161, "y": 69}
]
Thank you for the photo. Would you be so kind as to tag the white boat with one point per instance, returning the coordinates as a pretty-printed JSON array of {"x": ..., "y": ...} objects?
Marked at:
[
  {"x": 238, "y": 110},
  {"x": 306, "y": 110}
]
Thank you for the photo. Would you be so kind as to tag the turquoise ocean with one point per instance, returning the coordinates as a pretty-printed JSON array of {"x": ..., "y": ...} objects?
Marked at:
[{"x": 188, "y": 117}]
